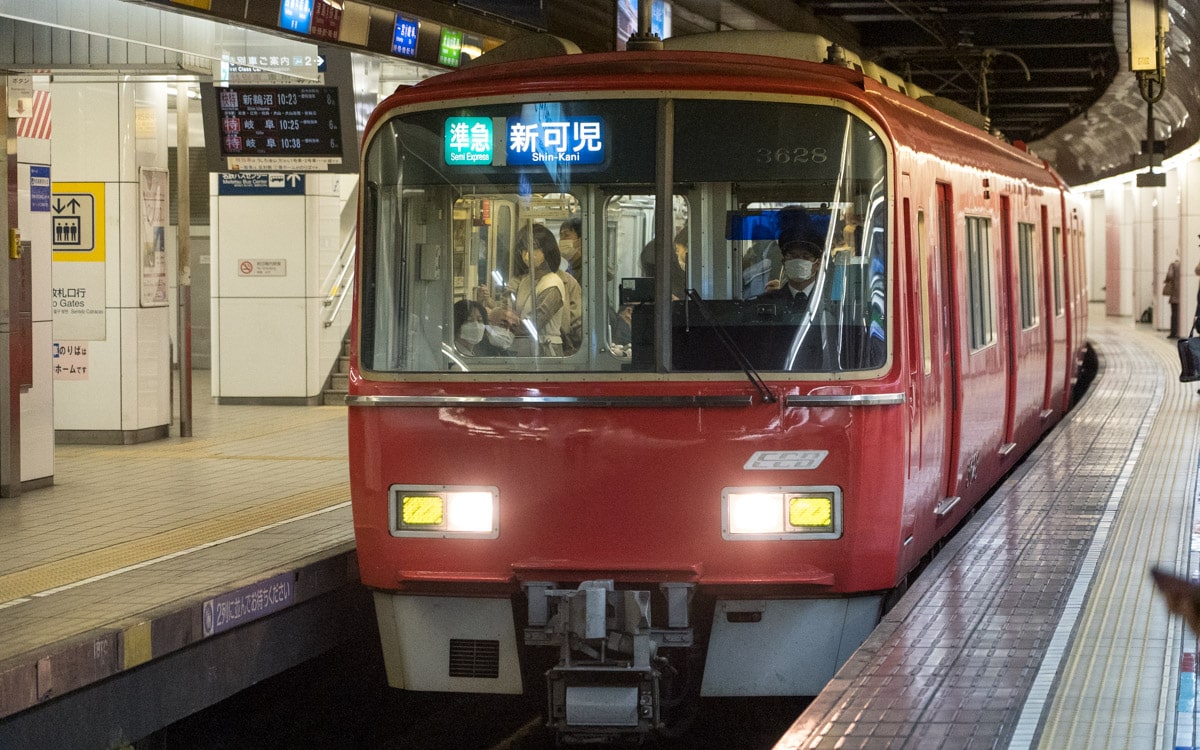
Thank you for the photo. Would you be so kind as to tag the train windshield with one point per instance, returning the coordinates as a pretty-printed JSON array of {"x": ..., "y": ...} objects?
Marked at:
[{"x": 521, "y": 237}]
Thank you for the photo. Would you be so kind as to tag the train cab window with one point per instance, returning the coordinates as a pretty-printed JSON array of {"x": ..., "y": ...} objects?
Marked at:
[
  {"x": 808, "y": 293},
  {"x": 519, "y": 238}
]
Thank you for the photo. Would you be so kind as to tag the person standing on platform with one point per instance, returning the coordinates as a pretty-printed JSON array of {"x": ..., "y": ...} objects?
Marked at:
[
  {"x": 1170, "y": 290},
  {"x": 1196, "y": 319}
]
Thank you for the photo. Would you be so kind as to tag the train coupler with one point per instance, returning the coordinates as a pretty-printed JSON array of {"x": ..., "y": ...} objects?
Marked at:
[
  {"x": 606, "y": 685},
  {"x": 592, "y": 703}
]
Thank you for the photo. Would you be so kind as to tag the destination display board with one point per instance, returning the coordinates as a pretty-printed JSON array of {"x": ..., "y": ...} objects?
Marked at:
[{"x": 279, "y": 127}]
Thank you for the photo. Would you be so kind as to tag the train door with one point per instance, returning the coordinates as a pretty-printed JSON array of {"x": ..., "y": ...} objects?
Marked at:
[
  {"x": 1053, "y": 304},
  {"x": 950, "y": 336},
  {"x": 1011, "y": 327},
  {"x": 483, "y": 235},
  {"x": 928, "y": 394},
  {"x": 1074, "y": 294}
]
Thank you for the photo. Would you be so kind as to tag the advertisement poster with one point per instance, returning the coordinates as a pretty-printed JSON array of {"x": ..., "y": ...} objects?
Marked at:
[{"x": 152, "y": 234}]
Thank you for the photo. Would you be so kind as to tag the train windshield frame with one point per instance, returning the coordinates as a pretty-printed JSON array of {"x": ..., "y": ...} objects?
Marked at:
[{"x": 519, "y": 237}]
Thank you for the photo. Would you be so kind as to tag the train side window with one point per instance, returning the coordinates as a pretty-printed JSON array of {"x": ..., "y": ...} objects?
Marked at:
[
  {"x": 1027, "y": 269},
  {"x": 926, "y": 313},
  {"x": 981, "y": 312},
  {"x": 1056, "y": 260}
]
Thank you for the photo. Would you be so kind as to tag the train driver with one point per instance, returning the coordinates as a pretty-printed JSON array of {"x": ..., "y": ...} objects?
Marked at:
[{"x": 801, "y": 251}]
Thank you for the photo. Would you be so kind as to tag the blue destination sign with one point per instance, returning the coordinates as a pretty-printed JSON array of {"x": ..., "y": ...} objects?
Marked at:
[
  {"x": 567, "y": 140},
  {"x": 296, "y": 15},
  {"x": 249, "y": 603},
  {"x": 404, "y": 36},
  {"x": 260, "y": 183}
]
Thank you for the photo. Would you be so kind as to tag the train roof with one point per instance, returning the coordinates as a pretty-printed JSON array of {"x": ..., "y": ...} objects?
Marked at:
[{"x": 779, "y": 62}]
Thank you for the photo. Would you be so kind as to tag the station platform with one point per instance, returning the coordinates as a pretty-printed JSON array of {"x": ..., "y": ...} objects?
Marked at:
[
  {"x": 153, "y": 580},
  {"x": 1038, "y": 625}
]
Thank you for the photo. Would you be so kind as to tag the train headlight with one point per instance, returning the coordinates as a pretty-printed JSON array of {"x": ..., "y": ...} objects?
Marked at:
[
  {"x": 444, "y": 511},
  {"x": 755, "y": 512},
  {"x": 781, "y": 513}
]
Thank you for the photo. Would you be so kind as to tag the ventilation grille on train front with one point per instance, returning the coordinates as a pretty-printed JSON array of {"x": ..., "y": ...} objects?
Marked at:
[{"x": 470, "y": 658}]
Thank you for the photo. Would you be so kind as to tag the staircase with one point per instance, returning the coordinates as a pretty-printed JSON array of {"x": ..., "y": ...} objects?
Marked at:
[{"x": 337, "y": 386}]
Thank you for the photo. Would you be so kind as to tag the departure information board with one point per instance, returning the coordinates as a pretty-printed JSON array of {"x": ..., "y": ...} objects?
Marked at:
[{"x": 280, "y": 127}]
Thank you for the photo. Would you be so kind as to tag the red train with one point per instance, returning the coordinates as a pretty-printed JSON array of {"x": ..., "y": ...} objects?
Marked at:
[{"x": 630, "y": 489}]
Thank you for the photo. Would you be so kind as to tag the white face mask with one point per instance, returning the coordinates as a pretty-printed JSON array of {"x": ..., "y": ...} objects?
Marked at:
[
  {"x": 471, "y": 332},
  {"x": 798, "y": 268},
  {"x": 500, "y": 337},
  {"x": 569, "y": 249}
]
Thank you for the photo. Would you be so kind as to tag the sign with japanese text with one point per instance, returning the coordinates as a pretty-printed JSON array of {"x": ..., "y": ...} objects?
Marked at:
[
  {"x": 262, "y": 267},
  {"x": 280, "y": 122},
  {"x": 248, "y": 603},
  {"x": 260, "y": 183},
  {"x": 469, "y": 140},
  {"x": 70, "y": 360},
  {"x": 77, "y": 304},
  {"x": 39, "y": 188},
  {"x": 404, "y": 36},
  {"x": 77, "y": 301},
  {"x": 296, "y": 15},
  {"x": 572, "y": 140},
  {"x": 450, "y": 50},
  {"x": 326, "y": 22}
]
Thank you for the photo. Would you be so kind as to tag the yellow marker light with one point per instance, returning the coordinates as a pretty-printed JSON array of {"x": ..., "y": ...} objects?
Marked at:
[
  {"x": 756, "y": 513},
  {"x": 422, "y": 510},
  {"x": 810, "y": 512},
  {"x": 469, "y": 512},
  {"x": 781, "y": 513}
]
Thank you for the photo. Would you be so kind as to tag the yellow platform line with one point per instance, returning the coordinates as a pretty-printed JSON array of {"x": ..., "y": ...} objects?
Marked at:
[
  {"x": 193, "y": 447},
  {"x": 23, "y": 583}
]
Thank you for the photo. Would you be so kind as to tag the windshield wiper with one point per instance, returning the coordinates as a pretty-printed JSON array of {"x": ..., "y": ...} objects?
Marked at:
[{"x": 732, "y": 347}]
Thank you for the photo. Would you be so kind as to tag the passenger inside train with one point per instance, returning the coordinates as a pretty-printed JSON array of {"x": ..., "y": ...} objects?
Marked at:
[{"x": 449, "y": 231}]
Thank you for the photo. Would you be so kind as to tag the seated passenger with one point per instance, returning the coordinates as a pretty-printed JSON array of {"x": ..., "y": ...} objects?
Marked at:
[
  {"x": 619, "y": 324},
  {"x": 472, "y": 334}
]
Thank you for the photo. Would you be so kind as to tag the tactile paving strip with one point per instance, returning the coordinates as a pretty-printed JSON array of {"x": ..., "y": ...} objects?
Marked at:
[{"x": 50, "y": 575}]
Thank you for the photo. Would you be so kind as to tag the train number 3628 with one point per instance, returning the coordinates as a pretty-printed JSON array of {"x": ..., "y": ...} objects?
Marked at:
[{"x": 792, "y": 155}]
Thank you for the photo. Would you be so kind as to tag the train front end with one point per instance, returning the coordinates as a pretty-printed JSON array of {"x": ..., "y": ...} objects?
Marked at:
[{"x": 667, "y": 479}]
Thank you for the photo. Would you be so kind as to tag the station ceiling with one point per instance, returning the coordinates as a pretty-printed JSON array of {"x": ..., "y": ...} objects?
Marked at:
[
  {"x": 1029, "y": 66},
  {"x": 1051, "y": 73}
]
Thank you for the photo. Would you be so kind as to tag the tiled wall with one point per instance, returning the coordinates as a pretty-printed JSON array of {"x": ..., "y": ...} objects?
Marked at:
[
  {"x": 269, "y": 338},
  {"x": 95, "y": 140}
]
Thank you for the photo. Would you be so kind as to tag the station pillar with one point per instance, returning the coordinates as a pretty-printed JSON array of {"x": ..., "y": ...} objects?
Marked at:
[{"x": 110, "y": 289}]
